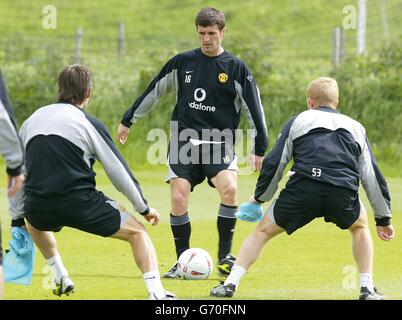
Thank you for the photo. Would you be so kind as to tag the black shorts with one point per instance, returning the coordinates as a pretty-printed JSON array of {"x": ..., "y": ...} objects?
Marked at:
[
  {"x": 92, "y": 212},
  {"x": 197, "y": 162},
  {"x": 304, "y": 199}
]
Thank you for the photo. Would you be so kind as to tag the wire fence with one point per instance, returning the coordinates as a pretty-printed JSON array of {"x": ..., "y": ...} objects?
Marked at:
[{"x": 79, "y": 35}]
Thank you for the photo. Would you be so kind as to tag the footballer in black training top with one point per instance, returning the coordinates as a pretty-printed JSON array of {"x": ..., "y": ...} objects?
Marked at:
[{"x": 211, "y": 86}]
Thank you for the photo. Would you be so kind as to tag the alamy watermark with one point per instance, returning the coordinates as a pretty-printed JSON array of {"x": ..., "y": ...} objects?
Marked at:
[
  {"x": 48, "y": 281},
  {"x": 210, "y": 146},
  {"x": 350, "y": 279},
  {"x": 49, "y": 21},
  {"x": 350, "y": 18}
]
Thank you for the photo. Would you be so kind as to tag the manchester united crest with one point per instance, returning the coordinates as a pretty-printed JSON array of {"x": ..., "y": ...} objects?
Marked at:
[{"x": 223, "y": 77}]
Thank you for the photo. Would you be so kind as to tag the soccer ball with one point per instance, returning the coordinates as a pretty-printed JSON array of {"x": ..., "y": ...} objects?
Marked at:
[{"x": 195, "y": 264}]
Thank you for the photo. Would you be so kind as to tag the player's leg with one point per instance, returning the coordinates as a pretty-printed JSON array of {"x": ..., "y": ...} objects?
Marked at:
[
  {"x": 1, "y": 268},
  {"x": 362, "y": 243},
  {"x": 16, "y": 209},
  {"x": 253, "y": 245},
  {"x": 179, "y": 219},
  {"x": 144, "y": 254},
  {"x": 47, "y": 244},
  {"x": 180, "y": 224},
  {"x": 1, "y": 281},
  {"x": 293, "y": 209},
  {"x": 143, "y": 250},
  {"x": 362, "y": 247},
  {"x": 183, "y": 175},
  {"x": 226, "y": 184},
  {"x": 249, "y": 252},
  {"x": 45, "y": 241}
]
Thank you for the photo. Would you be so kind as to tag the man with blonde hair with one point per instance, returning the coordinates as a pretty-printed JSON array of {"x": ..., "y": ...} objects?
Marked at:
[
  {"x": 324, "y": 91},
  {"x": 331, "y": 155}
]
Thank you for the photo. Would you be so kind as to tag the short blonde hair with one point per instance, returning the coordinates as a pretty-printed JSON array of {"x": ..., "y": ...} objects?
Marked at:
[{"x": 324, "y": 91}]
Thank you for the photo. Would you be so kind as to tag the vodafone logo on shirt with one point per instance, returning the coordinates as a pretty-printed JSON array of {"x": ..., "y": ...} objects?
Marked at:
[{"x": 199, "y": 96}]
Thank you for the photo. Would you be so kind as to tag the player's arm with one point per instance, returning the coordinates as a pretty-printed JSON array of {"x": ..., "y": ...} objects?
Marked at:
[
  {"x": 249, "y": 95},
  {"x": 270, "y": 175},
  {"x": 10, "y": 145},
  {"x": 274, "y": 164},
  {"x": 165, "y": 81},
  {"x": 116, "y": 168},
  {"x": 377, "y": 191}
]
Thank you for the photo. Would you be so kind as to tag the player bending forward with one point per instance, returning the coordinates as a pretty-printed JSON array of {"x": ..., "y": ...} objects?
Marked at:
[
  {"x": 331, "y": 155},
  {"x": 62, "y": 142}
]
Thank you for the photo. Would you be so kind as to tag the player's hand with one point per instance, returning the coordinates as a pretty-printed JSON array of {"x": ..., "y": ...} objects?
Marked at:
[
  {"x": 153, "y": 216},
  {"x": 14, "y": 185},
  {"x": 122, "y": 133},
  {"x": 386, "y": 233},
  {"x": 255, "y": 162},
  {"x": 252, "y": 200}
]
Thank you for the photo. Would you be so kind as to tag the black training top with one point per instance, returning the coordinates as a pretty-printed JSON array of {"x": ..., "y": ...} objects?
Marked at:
[
  {"x": 328, "y": 147},
  {"x": 210, "y": 92}
]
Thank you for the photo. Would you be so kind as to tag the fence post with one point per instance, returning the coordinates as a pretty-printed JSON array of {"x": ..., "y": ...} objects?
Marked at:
[
  {"x": 361, "y": 29},
  {"x": 78, "y": 45},
  {"x": 337, "y": 47},
  {"x": 384, "y": 19},
  {"x": 121, "y": 40}
]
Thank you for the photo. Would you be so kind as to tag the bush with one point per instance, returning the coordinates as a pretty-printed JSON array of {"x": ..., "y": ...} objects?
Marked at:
[{"x": 370, "y": 92}]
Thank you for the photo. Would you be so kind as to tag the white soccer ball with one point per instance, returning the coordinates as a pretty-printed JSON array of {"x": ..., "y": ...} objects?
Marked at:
[{"x": 195, "y": 264}]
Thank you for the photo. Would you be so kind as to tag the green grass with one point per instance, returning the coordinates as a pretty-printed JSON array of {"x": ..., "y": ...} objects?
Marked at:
[
  {"x": 306, "y": 265},
  {"x": 297, "y": 32},
  {"x": 286, "y": 45}
]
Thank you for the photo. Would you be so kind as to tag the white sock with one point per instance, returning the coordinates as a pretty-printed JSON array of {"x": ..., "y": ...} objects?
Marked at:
[
  {"x": 57, "y": 264},
  {"x": 366, "y": 280},
  {"x": 153, "y": 282},
  {"x": 235, "y": 275}
]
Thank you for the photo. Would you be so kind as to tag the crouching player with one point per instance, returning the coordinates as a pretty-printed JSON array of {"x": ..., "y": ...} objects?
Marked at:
[
  {"x": 62, "y": 142},
  {"x": 331, "y": 155}
]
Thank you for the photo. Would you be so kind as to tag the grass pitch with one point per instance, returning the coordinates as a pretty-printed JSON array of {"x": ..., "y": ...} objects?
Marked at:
[{"x": 314, "y": 263}]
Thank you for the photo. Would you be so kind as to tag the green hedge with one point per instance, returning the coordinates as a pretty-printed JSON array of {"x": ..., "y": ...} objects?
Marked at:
[{"x": 370, "y": 92}]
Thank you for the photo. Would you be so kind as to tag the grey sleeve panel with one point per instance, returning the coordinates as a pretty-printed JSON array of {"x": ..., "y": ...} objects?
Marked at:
[
  {"x": 274, "y": 164},
  {"x": 115, "y": 167},
  {"x": 62, "y": 120},
  {"x": 92, "y": 137},
  {"x": 10, "y": 145},
  {"x": 374, "y": 184},
  {"x": 165, "y": 81},
  {"x": 259, "y": 129},
  {"x": 168, "y": 83},
  {"x": 312, "y": 119},
  {"x": 273, "y": 184}
]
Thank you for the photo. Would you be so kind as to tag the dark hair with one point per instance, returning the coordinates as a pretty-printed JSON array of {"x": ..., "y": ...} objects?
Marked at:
[
  {"x": 209, "y": 17},
  {"x": 75, "y": 81}
]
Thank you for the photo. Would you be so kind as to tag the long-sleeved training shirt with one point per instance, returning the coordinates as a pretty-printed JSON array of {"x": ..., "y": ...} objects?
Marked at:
[
  {"x": 329, "y": 147},
  {"x": 62, "y": 143},
  {"x": 10, "y": 145},
  {"x": 210, "y": 93}
]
